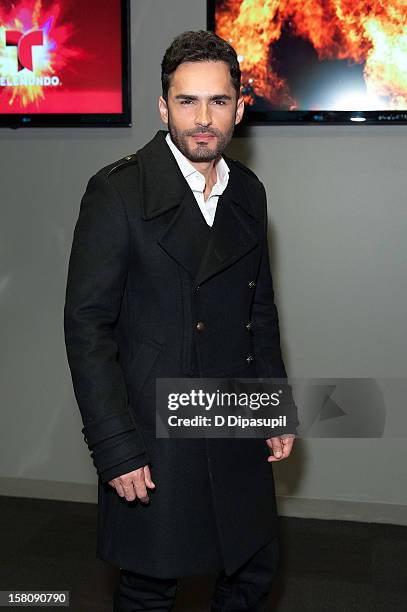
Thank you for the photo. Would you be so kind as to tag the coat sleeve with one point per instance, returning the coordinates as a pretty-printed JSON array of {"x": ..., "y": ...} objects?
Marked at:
[
  {"x": 96, "y": 283},
  {"x": 266, "y": 333}
]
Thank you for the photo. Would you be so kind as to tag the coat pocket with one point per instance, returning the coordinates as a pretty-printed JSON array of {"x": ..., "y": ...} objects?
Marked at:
[{"x": 141, "y": 365}]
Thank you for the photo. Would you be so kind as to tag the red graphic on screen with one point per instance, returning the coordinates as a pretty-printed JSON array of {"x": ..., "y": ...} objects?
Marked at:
[{"x": 60, "y": 57}]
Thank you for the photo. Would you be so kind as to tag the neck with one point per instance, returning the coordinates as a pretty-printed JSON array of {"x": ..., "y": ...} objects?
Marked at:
[{"x": 207, "y": 169}]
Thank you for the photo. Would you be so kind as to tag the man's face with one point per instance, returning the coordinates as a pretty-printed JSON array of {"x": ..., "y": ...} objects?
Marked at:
[{"x": 202, "y": 109}]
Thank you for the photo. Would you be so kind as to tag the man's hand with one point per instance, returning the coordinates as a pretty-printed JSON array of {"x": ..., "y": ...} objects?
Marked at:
[
  {"x": 281, "y": 446},
  {"x": 133, "y": 484}
]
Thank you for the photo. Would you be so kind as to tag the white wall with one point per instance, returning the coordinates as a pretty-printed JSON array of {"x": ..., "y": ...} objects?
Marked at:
[{"x": 337, "y": 208}]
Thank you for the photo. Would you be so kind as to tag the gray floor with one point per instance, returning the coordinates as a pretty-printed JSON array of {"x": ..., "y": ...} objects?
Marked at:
[{"x": 326, "y": 566}]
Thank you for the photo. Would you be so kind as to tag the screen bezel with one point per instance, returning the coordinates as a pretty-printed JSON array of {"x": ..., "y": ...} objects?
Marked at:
[
  {"x": 309, "y": 117},
  {"x": 123, "y": 119}
]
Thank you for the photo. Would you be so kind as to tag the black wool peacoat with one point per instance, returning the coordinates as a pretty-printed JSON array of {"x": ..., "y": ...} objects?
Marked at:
[{"x": 136, "y": 289}]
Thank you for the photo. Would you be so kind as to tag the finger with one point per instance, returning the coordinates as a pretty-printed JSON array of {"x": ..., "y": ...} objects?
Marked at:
[
  {"x": 285, "y": 453},
  {"x": 127, "y": 487},
  {"x": 141, "y": 490},
  {"x": 277, "y": 447},
  {"x": 147, "y": 477},
  {"x": 287, "y": 446},
  {"x": 272, "y": 458},
  {"x": 119, "y": 488},
  {"x": 129, "y": 491},
  {"x": 271, "y": 444}
]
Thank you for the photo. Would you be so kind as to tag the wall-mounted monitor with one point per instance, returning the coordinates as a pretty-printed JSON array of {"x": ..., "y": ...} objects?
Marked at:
[
  {"x": 318, "y": 61},
  {"x": 64, "y": 63}
]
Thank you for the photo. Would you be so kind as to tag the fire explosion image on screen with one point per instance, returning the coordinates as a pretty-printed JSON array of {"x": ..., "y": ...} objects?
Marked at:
[
  {"x": 60, "y": 56},
  {"x": 319, "y": 54}
]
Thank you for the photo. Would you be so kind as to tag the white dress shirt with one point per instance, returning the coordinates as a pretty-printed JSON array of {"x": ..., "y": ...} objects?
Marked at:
[{"x": 196, "y": 181}]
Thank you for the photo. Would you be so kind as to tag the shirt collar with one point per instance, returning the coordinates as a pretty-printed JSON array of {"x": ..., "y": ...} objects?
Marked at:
[{"x": 187, "y": 169}]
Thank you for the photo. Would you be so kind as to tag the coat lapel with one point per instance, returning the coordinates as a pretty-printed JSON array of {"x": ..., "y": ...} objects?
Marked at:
[
  {"x": 164, "y": 188},
  {"x": 233, "y": 233},
  {"x": 178, "y": 239}
]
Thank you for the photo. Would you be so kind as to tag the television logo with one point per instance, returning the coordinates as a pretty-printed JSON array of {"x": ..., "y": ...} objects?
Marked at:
[{"x": 24, "y": 44}]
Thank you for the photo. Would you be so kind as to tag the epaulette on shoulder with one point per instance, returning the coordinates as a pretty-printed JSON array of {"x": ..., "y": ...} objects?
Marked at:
[
  {"x": 121, "y": 163},
  {"x": 246, "y": 169}
]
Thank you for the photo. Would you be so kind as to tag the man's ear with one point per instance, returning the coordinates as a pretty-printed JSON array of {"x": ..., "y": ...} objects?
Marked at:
[
  {"x": 239, "y": 110},
  {"x": 163, "y": 108}
]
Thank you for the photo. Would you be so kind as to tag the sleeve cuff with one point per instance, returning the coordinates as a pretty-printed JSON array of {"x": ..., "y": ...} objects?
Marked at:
[{"x": 124, "y": 468}]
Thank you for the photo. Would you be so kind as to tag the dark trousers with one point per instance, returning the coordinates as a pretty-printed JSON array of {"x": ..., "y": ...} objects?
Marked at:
[{"x": 246, "y": 589}]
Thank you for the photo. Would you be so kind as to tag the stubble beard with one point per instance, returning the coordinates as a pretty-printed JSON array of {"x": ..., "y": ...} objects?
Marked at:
[{"x": 201, "y": 152}]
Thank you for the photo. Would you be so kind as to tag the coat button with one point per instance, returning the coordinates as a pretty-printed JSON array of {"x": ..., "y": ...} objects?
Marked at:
[
  {"x": 197, "y": 288},
  {"x": 200, "y": 326},
  {"x": 249, "y": 358},
  {"x": 252, "y": 284},
  {"x": 248, "y": 325}
]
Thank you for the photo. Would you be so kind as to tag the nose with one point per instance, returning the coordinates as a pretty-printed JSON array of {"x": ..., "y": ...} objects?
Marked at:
[{"x": 203, "y": 117}]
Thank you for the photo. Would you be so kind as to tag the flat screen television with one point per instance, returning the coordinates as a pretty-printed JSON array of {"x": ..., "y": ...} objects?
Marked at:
[
  {"x": 318, "y": 61},
  {"x": 64, "y": 63}
]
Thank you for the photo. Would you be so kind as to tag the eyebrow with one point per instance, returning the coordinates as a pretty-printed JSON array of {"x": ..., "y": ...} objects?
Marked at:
[{"x": 212, "y": 98}]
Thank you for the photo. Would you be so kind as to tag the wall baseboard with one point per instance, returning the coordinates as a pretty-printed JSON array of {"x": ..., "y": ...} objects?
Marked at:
[
  {"x": 48, "y": 489},
  {"x": 327, "y": 509},
  {"x": 342, "y": 510}
]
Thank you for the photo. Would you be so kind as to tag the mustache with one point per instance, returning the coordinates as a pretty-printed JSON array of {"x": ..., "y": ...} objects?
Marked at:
[{"x": 202, "y": 131}]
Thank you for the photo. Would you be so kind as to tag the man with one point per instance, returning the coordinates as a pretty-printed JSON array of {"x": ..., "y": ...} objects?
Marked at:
[{"x": 169, "y": 277}]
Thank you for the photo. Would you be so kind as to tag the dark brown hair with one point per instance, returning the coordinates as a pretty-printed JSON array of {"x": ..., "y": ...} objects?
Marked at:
[{"x": 199, "y": 46}]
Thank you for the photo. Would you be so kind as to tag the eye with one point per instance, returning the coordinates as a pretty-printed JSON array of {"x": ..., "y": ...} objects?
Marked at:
[
  {"x": 186, "y": 102},
  {"x": 220, "y": 102}
]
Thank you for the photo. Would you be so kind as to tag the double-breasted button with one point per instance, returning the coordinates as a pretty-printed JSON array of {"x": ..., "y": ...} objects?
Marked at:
[
  {"x": 200, "y": 326},
  {"x": 248, "y": 325},
  {"x": 249, "y": 358},
  {"x": 252, "y": 284}
]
